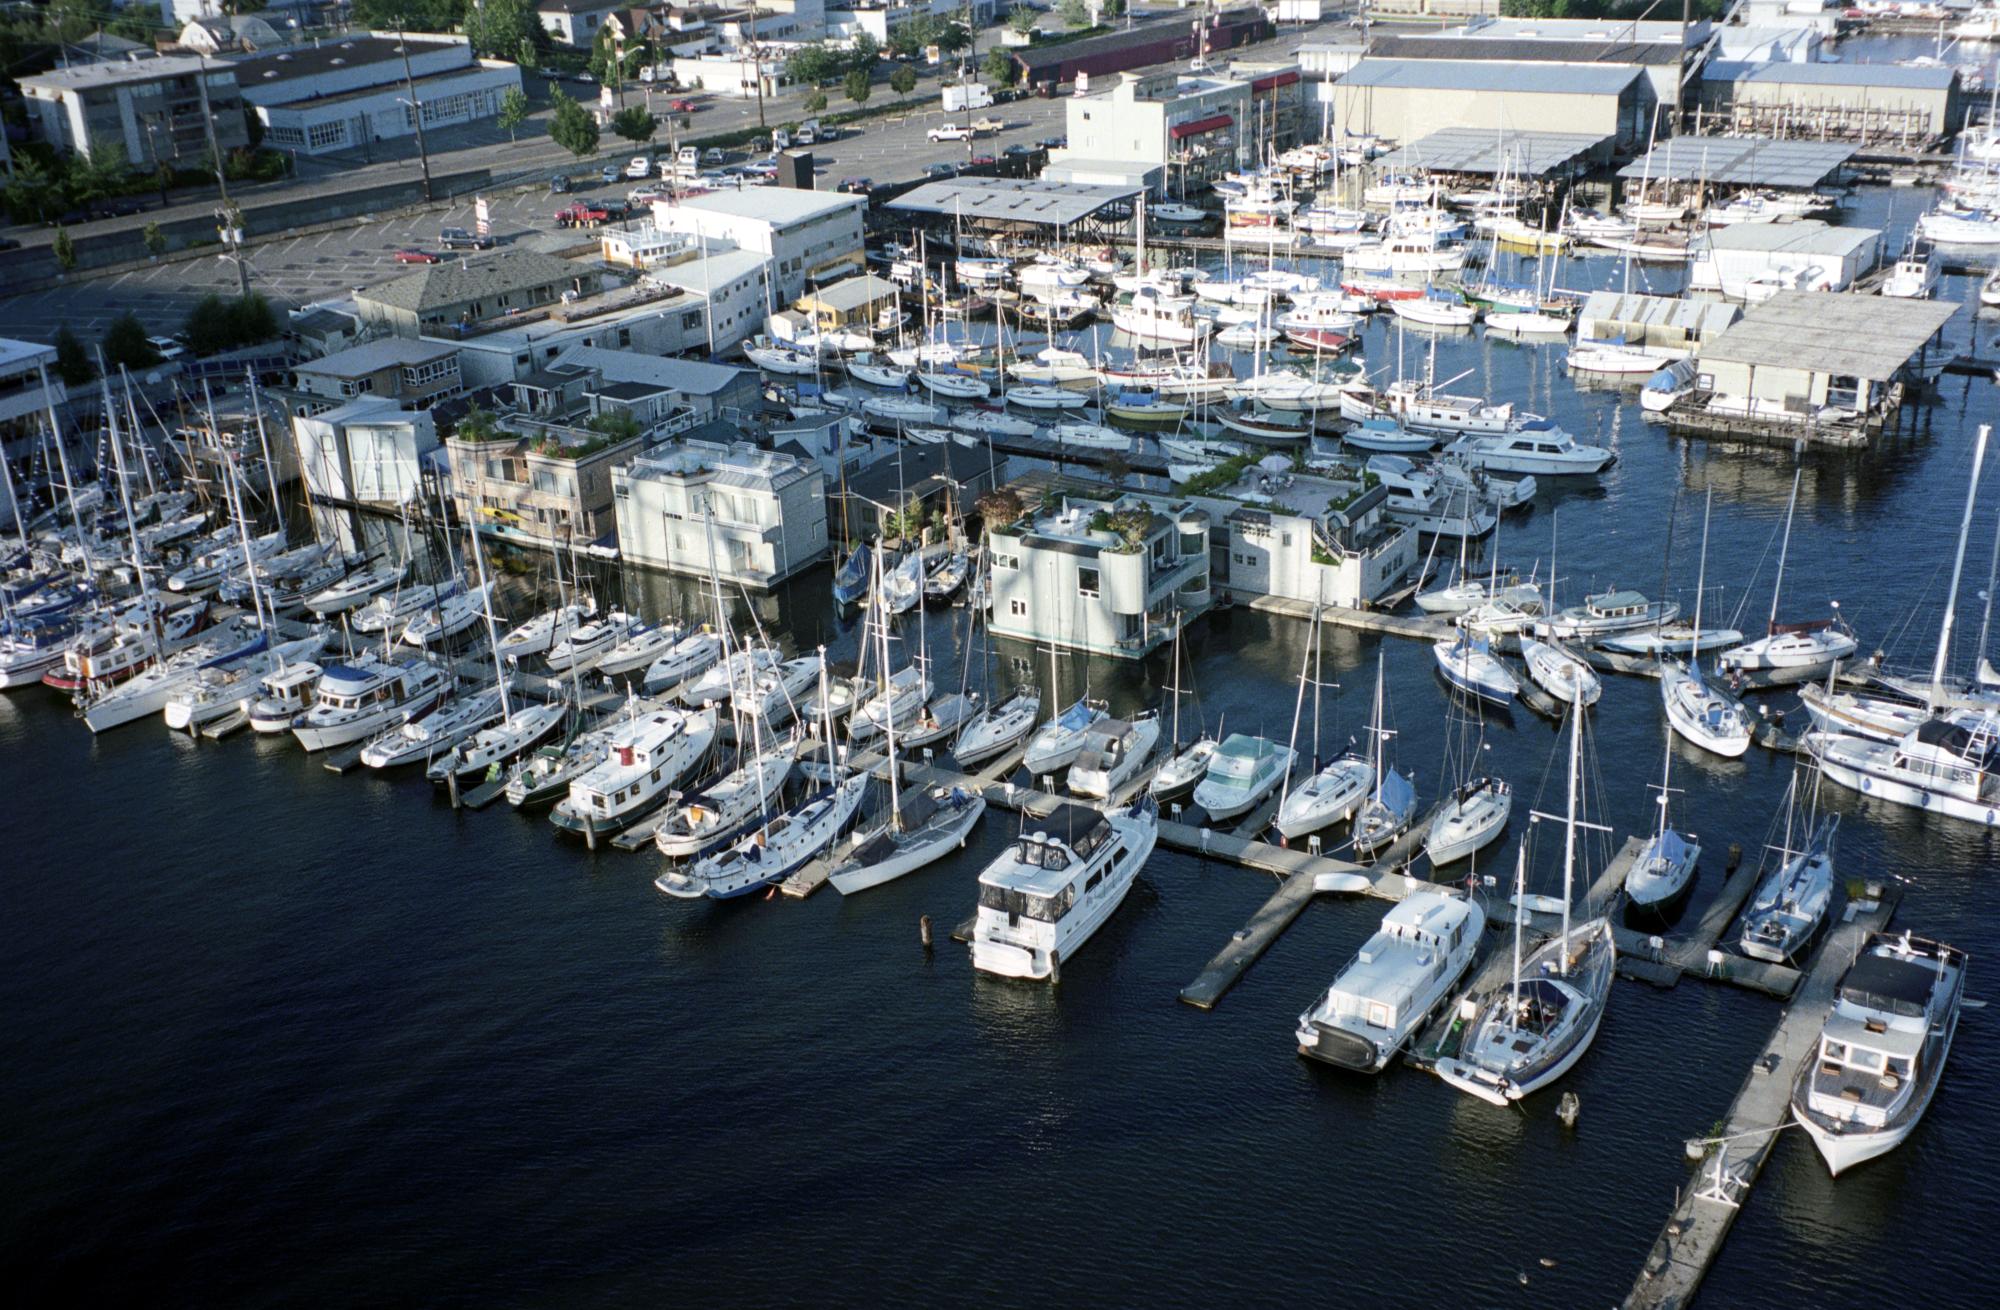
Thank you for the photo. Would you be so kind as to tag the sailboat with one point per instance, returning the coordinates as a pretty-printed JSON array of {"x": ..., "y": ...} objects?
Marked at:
[
  {"x": 1705, "y": 715},
  {"x": 1815, "y": 646},
  {"x": 1185, "y": 765},
  {"x": 1476, "y": 812},
  {"x": 1788, "y": 907},
  {"x": 1526, "y": 1036},
  {"x": 1665, "y": 866},
  {"x": 1336, "y": 788},
  {"x": 850, "y": 580},
  {"x": 1553, "y": 667},
  {"x": 714, "y": 815},
  {"x": 1394, "y": 804}
]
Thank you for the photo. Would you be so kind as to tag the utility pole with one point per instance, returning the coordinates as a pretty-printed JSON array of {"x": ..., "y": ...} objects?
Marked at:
[
  {"x": 416, "y": 108},
  {"x": 226, "y": 217}
]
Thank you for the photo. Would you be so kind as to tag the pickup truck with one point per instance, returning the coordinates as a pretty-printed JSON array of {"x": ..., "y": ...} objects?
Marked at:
[
  {"x": 950, "y": 132},
  {"x": 982, "y": 125},
  {"x": 583, "y": 213}
]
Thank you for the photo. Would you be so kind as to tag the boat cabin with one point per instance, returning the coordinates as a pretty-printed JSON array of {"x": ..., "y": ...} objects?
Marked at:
[
  {"x": 1870, "y": 1046},
  {"x": 345, "y": 687},
  {"x": 1954, "y": 755},
  {"x": 1055, "y": 861},
  {"x": 1416, "y": 941},
  {"x": 1617, "y": 605}
]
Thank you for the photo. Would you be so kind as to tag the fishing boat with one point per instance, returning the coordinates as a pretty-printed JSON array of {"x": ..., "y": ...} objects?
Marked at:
[
  {"x": 646, "y": 756},
  {"x": 1383, "y": 435},
  {"x": 1241, "y": 773},
  {"x": 1114, "y": 750},
  {"x": 1882, "y": 1049},
  {"x": 1788, "y": 907},
  {"x": 1389, "y": 991},
  {"x": 358, "y": 700},
  {"x": 1043, "y": 898},
  {"x": 1664, "y": 868},
  {"x": 716, "y": 815}
]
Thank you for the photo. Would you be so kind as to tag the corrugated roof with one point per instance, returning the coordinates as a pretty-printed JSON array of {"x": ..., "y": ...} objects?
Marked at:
[
  {"x": 1480, "y": 150},
  {"x": 1800, "y": 236},
  {"x": 1012, "y": 200},
  {"x": 1902, "y": 76},
  {"x": 1476, "y": 75},
  {"x": 374, "y": 356},
  {"x": 851, "y": 294},
  {"x": 1692, "y": 317},
  {"x": 437, "y": 286},
  {"x": 1525, "y": 50},
  {"x": 774, "y": 204},
  {"x": 690, "y": 377},
  {"x": 1846, "y": 335},
  {"x": 1741, "y": 161}
]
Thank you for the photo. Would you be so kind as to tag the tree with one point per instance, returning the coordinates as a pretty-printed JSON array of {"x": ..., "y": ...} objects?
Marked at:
[
  {"x": 952, "y": 38},
  {"x": 816, "y": 102},
  {"x": 1000, "y": 67},
  {"x": 73, "y": 364},
  {"x": 64, "y": 249},
  {"x": 414, "y": 15},
  {"x": 864, "y": 52},
  {"x": 903, "y": 80},
  {"x": 493, "y": 27},
  {"x": 1110, "y": 9},
  {"x": 570, "y": 124},
  {"x": 155, "y": 238},
  {"x": 617, "y": 424},
  {"x": 514, "y": 110},
  {"x": 1023, "y": 19},
  {"x": 634, "y": 123},
  {"x": 813, "y": 64},
  {"x": 1074, "y": 13},
  {"x": 125, "y": 343},
  {"x": 858, "y": 87}
]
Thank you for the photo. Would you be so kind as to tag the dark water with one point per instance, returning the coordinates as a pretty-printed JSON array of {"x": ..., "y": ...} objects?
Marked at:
[{"x": 280, "y": 1036}]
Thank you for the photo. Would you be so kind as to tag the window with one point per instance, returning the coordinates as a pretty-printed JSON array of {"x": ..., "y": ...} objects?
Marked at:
[
  {"x": 1007, "y": 562},
  {"x": 1378, "y": 1015},
  {"x": 1018, "y": 608},
  {"x": 321, "y": 135},
  {"x": 1088, "y": 583}
]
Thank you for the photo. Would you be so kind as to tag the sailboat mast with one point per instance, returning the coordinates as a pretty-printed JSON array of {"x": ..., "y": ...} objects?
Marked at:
[
  {"x": 486, "y": 604},
  {"x": 1298, "y": 704},
  {"x": 1784, "y": 548},
  {"x": 1701, "y": 574},
  {"x": 1520, "y": 913},
  {"x": 1992, "y": 577},
  {"x": 1569, "y": 822},
  {"x": 1957, "y": 565},
  {"x": 889, "y": 716}
]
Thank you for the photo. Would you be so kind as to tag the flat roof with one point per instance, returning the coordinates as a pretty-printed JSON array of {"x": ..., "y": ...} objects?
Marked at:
[
  {"x": 851, "y": 293},
  {"x": 1527, "y": 50},
  {"x": 1801, "y": 235},
  {"x": 296, "y": 62},
  {"x": 1741, "y": 161},
  {"x": 1480, "y": 75},
  {"x": 773, "y": 204},
  {"x": 690, "y": 377},
  {"x": 13, "y": 353},
  {"x": 1477, "y": 150},
  {"x": 1013, "y": 200},
  {"x": 113, "y": 72},
  {"x": 1587, "y": 29},
  {"x": 454, "y": 282},
  {"x": 1836, "y": 332},
  {"x": 1895, "y": 75},
  {"x": 374, "y": 356},
  {"x": 296, "y": 97}
]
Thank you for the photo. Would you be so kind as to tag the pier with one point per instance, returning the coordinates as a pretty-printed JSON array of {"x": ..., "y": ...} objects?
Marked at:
[{"x": 1692, "y": 1238}]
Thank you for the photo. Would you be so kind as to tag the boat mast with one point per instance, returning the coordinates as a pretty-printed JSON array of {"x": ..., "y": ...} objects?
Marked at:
[
  {"x": 1569, "y": 824},
  {"x": 1299, "y": 704},
  {"x": 1381, "y": 736},
  {"x": 1784, "y": 550},
  {"x": 1992, "y": 577},
  {"x": 62, "y": 458},
  {"x": 889, "y": 717},
  {"x": 131, "y": 522},
  {"x": 232, "y": 492},
  {"x": 1957, "y": 564},
  {"x": 1520, "y": 912},
  {"x": 1701, "y": 580},
  {"x": 486, "y": 604}
]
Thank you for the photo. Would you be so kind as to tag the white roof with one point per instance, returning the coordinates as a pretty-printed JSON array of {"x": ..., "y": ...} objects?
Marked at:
[
  {"x": 1802, "y": 236},
  {"x": 776, "y": 205},
  {"x": 115, "y": 71},
  {"x": 690, "y": 377}
]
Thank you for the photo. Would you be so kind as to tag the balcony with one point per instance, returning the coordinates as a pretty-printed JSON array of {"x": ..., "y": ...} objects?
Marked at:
[{"x": 1174, "y": 578}]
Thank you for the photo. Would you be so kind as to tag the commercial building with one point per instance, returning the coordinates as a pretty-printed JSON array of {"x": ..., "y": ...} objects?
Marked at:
[
  {"x": 152, "y": 109},
  {"x": 1199, "y": 128},
  {"x": 753, "y": 516},
  {"x": 457, "y": 296},
  {"x": 848, "y": 19},
  {"x": 394, "y": 368},
  {"x": 1116, "y": 576},
  {"x": 1044, "y": 68},
  {"x": 1410, "y": 98},
  {"x": 810, "y": 237},
  {"x": 346, "y": 94},
  {"x": 1747, "y": 261},
  {"x": 854, "y": 303},
  {"x": 1909, "y": 106},
  {"x": 1657, "y": 49}
]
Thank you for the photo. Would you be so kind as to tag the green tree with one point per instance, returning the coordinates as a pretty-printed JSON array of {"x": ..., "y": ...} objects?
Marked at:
[
  {"x": 73, "y": 364},
  {"x": 816, "y": 102},
  {"x": 155, "y": 238},
  {"x": 33, "y": 192},
  {"x": 494, "y": 27},
  {"x": 570, "y": 124},
  {"x": 858, "y": 87},
  {"x": 951, "y": 38},
  {"x": 1023, "y": 19},
  {"x": 1111, "y": 9},
  {"x": 903, "y": 80},
  {"x": 514, "y": 110},
  {"x": 1000, "y": 67},
  {"x": 1074, "y": 13},
  {"x": 125, "y": 343},
  {"x": 617, "y": 424},
  {"x": 64, "y": 249},
  {"x": 864, "y": 52},
  {"x": 414, "y": 15},
  {"x": 634, "y": 123},
  {"x": 813, "y": 64}
]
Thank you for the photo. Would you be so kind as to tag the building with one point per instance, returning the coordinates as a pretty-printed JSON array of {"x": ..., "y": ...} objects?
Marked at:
[
  {"x": 179, "y": 13},
  {"x": 1655, "y": 48},
  {"x": 235, "y": 34},
  {"x": 1394, "y": 9},
  {"x": 706, "y": 391},
  {"x": 1199, "y": 128},
  {"x": 1410, "y": 98},
  {"x": 810, "y": 237},
  {"x": 853, "y": 303},
  {"x": 709, "y": 502},
  {"x": 1672, "y": 327},
  {"x": 1744, "y": 261},
  {"x": 28, "y": 391},
  {"x": 1909, "y": 106},
  {"x": 457, "y": 296},
  {"x": 152, "y": 109},
  {"x": 346, "y": 94},
  {"x": 538, "y": 479},
  {"x": 1824, "y": 366},
  {"x": 368, "y": 451},
  {"x": 575, "y": 22},
  {"x": 1116, "y": 576},
  {"x": 1292, "y": 537},
  {"x": 1044, "y": 68},
  {"x": 395, "y": 368},
  {"x": 849, "y": 19},
  {"x": 904, "y": 478}
]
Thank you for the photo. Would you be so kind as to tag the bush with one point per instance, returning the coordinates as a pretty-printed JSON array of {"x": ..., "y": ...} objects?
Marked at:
[
  {"x": 125, "y": 343},
  {"x": 216, "y": 324},
  {"x": 64, "y": 249},
  {"x": 634, "y": 124},
  {"x": 816, "y": 102}
]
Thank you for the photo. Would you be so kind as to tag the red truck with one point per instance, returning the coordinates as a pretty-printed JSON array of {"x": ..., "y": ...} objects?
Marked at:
[{"x": 584, "y": 213}]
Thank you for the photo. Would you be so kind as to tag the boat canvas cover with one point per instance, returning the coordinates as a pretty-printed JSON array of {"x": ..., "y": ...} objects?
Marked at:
[
  {"x": 1398, "y": 793},
  {"x": 1979, "y": 748},
  {"x": 1080, "y": 827},
  {"x": 1889, "y": 985},
  {"x": 1076, "y": 718},
  {"x": 1673, "y": 847}
]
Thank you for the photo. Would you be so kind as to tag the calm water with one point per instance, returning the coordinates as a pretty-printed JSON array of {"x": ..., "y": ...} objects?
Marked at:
[{"x": 283, "y": 1036}]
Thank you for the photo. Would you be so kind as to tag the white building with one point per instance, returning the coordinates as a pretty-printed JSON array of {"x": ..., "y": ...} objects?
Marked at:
[
  {"x": 1199, "y": 127},
  {"x": 24, "y": 366},
  {"x": 342, "y": 95},
  {"x": 1296, "y": 537},
  {"x": 575, "y": 22},
  {"x": 150, "y": 108},
  {"x": 754, "y": 516},
  {"x": 370, "y": 450},
  {"x": 809, "y": 236},
  {"x": 1750, "y": 261},
  {"x": 709, "y": 391},
  {"x": 279, "y": 13}
]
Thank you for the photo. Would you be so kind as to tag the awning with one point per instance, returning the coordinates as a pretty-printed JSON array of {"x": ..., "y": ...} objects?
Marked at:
[
  {"x": 1274, "y": 80},
  {"x": 1214, "y": 122}
]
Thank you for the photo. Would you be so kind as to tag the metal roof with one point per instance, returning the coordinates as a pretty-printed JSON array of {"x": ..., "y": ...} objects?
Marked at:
[
  {"x": 1011, "y": 200},
  {"x": 1902, "y": 76},
  {"x": 1836, "y": 332},
  {"x": 374, "y": 356},
  {"x": 1477, "y": 150},
  {"x": 1800, "y": 236},
  {"x": 441, "y": 286},
  {"x": 850, "y": 294},
  {"x": 1479, "y": 75},
  {"x": 1741, "y": 161},
  {"x": 1693, "y": 318},
  {"x": 1526, "y": 50},
  {"x": 776, "y": 205}
]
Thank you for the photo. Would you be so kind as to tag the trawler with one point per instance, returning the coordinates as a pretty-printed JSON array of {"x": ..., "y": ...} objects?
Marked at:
[
  {"x": 1395, "y": 982},
  {"x": 356, "y": 701},
  {"x": 646, "y": 757}
]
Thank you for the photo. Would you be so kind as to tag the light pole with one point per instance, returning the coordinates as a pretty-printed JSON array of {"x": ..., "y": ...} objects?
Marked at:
[
  {"x": 229, "y": 216},
  {"x": 416, "y": 109}
]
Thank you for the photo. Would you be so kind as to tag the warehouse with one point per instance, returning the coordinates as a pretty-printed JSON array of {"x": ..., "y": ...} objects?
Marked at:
[
  {"x": 345, "y": 95},
  {"x": 1405, "y": 99},
  {"x": 1893, "y": 103},
  {"x": 1661, "y": 58},
  {"x": 1043, "y": 69},
  {"x": 1747, "y": 261}
]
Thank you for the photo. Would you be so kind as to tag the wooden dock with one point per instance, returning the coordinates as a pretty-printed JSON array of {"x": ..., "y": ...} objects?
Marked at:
[{"x": 1707, "y": 1209}]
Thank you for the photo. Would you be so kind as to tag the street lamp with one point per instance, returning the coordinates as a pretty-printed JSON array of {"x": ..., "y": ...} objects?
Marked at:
[{"x": 416, "y": 109}]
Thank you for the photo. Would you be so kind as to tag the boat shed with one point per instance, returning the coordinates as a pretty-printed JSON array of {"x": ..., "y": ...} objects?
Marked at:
[
  {"x": 1665, "y": 324},
  {"x": 1409, "y": 99},
  {"x": 1481, "y": 152},
  {"x": 1013, "y": 204},
  {"x": 1741, "y": 161},
  {"x": 1907, "y": 106},
  {"x": 1821, "y": 362},
  {"x": 851, "y": 302},
  {"x": 1740, "y": 259}
]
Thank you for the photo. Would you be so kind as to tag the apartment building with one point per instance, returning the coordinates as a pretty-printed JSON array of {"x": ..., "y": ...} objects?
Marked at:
[
  {"x": 714, "y": 502},
  {"x": 152, "y": 109}
]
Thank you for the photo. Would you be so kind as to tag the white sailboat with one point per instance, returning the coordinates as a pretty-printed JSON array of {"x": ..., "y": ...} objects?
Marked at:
[
  {"x": 1393, "y": 805},
  {"x": 1336, "y": 788},
  {"x": 1704, "y": 714},
  {"x": 1807, "y": 649},
  {"x": 1665, "y": 866}
]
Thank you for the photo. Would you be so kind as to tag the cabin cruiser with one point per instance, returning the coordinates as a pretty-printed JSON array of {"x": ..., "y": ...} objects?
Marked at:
[
  {"x": 773, "y": 850},
  {"x": 1948, "y": 766},
  {"x": 1788, "y": 907},
  {"x": 646, "y": 756},
  {"x": 1415, "y": 498},
  {"x": 1882, "y": 1049},
  {"x": 1608, "y": 613},
  {"x": 1042, "y": 898},
  {"x": 1529, "y": 445},
  {"x": 1114, "y": 750},
  {"x": 284, "y": 696},
  {"x": 1394, "y": 983},
  {"x": 1423, "y": 409},
  {"x": 1057, "y": 743},
  {"x": 222, "y": 689},
  {"x": 434, "y": 736},
  {"x": 1241, "y": 773},
  {"x": 356, "y": 701}
]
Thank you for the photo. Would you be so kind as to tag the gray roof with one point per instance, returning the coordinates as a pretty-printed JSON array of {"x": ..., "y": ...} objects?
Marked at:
[
  {"x": 1800, "y": 236},
  {"x": 1478, "y": 75},
  {"x": 1836, "y": 332},
  {"x": 1741, "y": 161},
  {"x": 690, "y": 377},
  {"x": 438, "y": 286},
  {"x": 1479, "y": 150},
  {"x": 374, "y": 356},
  {"x": 1685, "y": 318},
  {"x": 114, "y": 72},
  {"x": 1524, "y": 50},
  {"x": 281, "y": 66},
  {"x": 1012, "y": 200},
  {"x": 774, "y": 204},
  {"x": 1901, "y": 76},
  {"x": 852, "y": 293}
]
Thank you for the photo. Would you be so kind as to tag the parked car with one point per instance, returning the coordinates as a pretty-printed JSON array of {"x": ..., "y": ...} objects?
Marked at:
[
  {"x": 1016, "y": 150},
  {"x": 457, "y": 238},
  {"x": 608, "y": 174},
  {"x": 418, "y": 257},
  {"x": 166, "y": 347},
  {"x": 682, "y": 106},
  {"x": 857, "y": 186},
  {"x": 950, "y": 132},
  {"x": 940, "y": 170},
  {"x": 1053, "y": 142},
  {"x": 639, "y": 168},
  {"x": 982, "y": 159},
  {"x": 713, "y": 157},
  {"x": 559, "y": 184}
]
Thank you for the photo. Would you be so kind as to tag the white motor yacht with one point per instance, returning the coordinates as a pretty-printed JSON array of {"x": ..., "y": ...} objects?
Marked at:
[
  {"x": 1395, "y": 983},
  {"x": 284, "y": 696},
  {"x": 1041, "y": 899},
  {"x": 1531, "y": 445},
  {"x": 1242, "y": 772},
  {"x": 1948, "y": 766},
  {"x": 1417, "y": 499},
  {"x": 1113, "y": 752},
  {"x": 358, "y": 700}
]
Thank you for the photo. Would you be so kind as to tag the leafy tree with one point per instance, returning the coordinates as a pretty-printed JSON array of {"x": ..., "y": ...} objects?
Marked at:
[
  {"x": 216, "y": 324},
  {"x": 1000, "y": 67},
  {"x": 414, "y": 15},
  {"x": 155, "y": 238},
  {"x": 858, "y": 87},
  {"x": 570, "y": 124},
  {"x": 64, "y": 249},
  {"x": 125, "y": 343},
  {"x": 634, "y": 123},
  {"x": 494, "y": 27},
  {"x": 816, "y": 102},
  {"x": 514, "y": 110},
  {"x": 1074, "y": 13},
  {"x": 34, "y": 192},
  {"x": 951, "y": 38},
  {"x": 73, "y": 364},
  {"x": 1023, "y": 19},
  {"x": 529, "y": 55},
  {"x": 813, "y": 64},
  {"x": 864, "y": 52},
  {"x": 903, "y": 80},
  {"x": 1111, "y": 9}
]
